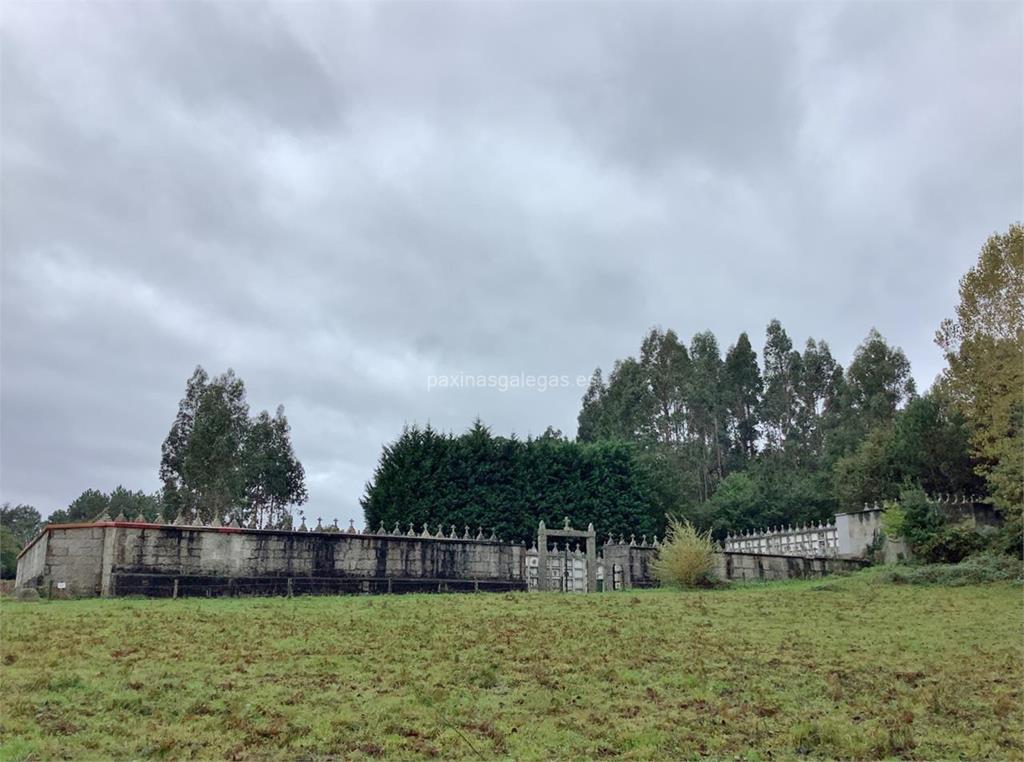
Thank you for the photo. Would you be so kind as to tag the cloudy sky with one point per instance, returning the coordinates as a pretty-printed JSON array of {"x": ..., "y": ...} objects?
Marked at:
[{"x": 341, "y": 201}]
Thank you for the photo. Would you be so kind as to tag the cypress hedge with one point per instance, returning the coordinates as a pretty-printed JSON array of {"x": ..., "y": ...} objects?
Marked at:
[{"x": 509, "y": 485}]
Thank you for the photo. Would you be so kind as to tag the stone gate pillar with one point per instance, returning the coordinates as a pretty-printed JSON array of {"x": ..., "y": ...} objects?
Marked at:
[
  {"x": 591, "y": 559},
  {"x": 542, "y": 557}
]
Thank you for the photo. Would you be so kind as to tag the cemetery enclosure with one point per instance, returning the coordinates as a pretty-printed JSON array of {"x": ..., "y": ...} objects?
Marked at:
[{"x": 112, "y": 558}]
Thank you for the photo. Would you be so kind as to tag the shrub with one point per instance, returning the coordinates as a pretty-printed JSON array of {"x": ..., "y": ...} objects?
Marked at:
[
  {"x": 894, "y": 520},
  {"x": 1009, "y": 538},
  {"x": 984, "y": 567},
  {"x": 950, "y": 544},
  {"x": 686, "y": 557}
]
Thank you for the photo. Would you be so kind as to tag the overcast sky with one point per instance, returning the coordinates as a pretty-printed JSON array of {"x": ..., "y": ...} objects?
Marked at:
[{"x": 341, "y": 201}]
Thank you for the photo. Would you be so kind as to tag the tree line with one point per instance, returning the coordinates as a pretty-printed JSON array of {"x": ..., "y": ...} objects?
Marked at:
[{"x": 735, "y": 442}]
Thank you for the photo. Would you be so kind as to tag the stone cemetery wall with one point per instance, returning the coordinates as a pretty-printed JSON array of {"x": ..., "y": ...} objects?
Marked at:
[
  {"x": 138, "y": 558},
  {"x": 761, "y": 566},
  {"x": 853, "y": 535},
  {"x": 129, "y": 558},
  {"x": 810, "y": 540}
]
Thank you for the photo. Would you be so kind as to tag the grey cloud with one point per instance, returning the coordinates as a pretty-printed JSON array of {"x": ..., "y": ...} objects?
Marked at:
[{"x": 339, "y": 200}]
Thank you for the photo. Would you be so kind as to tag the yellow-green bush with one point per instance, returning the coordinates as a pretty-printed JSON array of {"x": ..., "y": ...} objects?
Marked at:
[{"x": 686, "y": 557}]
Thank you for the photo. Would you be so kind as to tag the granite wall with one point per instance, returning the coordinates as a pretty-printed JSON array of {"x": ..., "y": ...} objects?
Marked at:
[
  {"x": 760, "y": 566},
  {"x": 130, "y": 558},
  {"x": 136, "y": 558}
]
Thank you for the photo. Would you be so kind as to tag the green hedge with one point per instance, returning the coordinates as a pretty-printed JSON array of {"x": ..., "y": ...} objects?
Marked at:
[{"x": 509, "y": 485}]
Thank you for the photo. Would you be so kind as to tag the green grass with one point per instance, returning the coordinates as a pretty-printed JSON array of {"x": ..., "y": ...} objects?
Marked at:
[{"x": 847, "y": 667}]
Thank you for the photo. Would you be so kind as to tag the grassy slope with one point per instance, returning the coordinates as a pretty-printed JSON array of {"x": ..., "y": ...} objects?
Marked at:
[{"x": 844, "y": 667}]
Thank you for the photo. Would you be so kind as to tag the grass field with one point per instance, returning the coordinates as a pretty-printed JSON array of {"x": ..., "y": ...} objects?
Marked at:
[{"x": 843, "y": 667}]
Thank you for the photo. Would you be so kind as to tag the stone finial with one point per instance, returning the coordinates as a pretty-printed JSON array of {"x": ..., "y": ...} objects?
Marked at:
[
  {"x": 426, "y": 531},
  {"x": 655, "y": 543},
  {"x": 396, "y": 530},
  {"x": 479, "y": 533},
  {"x": 352, "y": 527},
  {"x": 179, "y": 520},
  {"x": 643, "y": 541},
  {"x": 610, "y": 540},
  {"x": 412, "y": 530},
  {"x": 216, "y": 520},
  {"x": 452, "y": 534},
  {"x": 541, "y": 525},
  {"x": 253, "y": 523},
  {"x": 319, "y": 525},
  {"x": 139, "y": 519},
  {"x": 494, "y": 536},
  {"x": 565, "y": 524},
  {"x": 302, "y": 525},
  {"x": 590, "y": 527},
  {"x": 632, "y": 541},
  {"x": 622, "y": 540},
  {"x": 235, "y": 522},
  {"x": 120, "y": 516},
  {"x": 465, "y": 531},
  {"x": 381, "y": 529},
  {"x": 334, "y": 527}
]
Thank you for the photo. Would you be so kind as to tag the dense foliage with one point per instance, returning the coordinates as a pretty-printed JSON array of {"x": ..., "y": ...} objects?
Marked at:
[
  {"x": 509, "y": 485},
  {"x": 796, "y": 438},
  {"x": 18, "y": 525},
  {"x": 121, "y": 502},
  {"x": 217, "y": 460},
  {"x": 931, "y": 537},
  {"x": 734, "y": 444},
  {"x": 745, "y": 446},
  {"x": 984, "y": 345}
]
